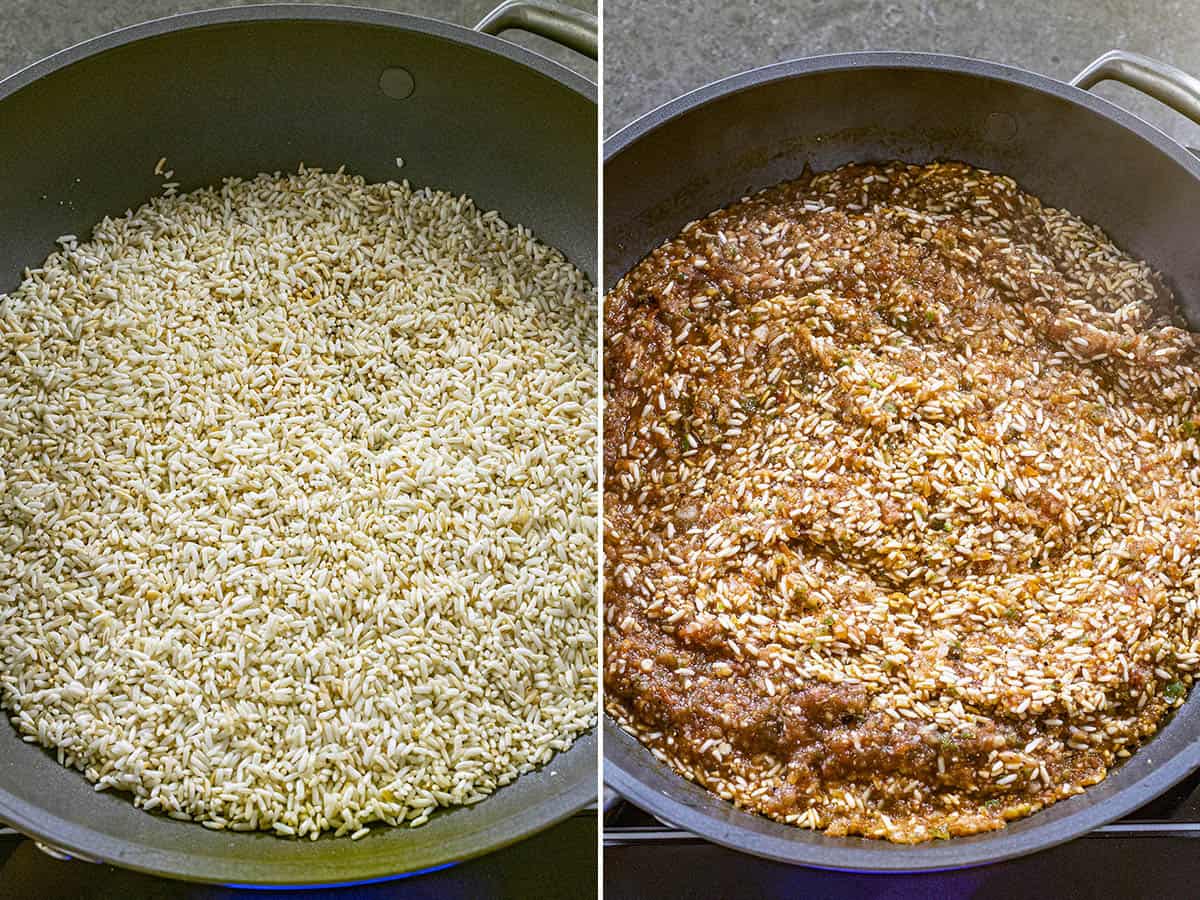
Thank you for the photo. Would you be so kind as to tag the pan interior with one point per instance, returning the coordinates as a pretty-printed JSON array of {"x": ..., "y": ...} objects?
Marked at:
[
  {"x": 755, "y": 130},
  {"x": 238, "y": 93},
  {"x": 241, "y": 97}
]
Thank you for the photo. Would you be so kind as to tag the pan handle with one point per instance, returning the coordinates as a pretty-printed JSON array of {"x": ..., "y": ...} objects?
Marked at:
[
  {"x": 558, "y": 22},
  {"x": 1165, "y": 83}
]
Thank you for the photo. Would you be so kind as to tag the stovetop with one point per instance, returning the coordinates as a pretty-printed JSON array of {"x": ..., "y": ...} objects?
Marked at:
[
  {"x": 1153, "y": 853},
  {"x": 557, "y": 864}
]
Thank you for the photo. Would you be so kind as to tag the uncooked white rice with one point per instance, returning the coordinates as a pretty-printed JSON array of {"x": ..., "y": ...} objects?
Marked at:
[{"x": 298, "y": 504}]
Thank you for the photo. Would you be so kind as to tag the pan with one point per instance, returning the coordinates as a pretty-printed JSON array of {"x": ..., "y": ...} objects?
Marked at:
[
  {"x": 1061, "y": 143},
  {"x": 263, "y": 89}
]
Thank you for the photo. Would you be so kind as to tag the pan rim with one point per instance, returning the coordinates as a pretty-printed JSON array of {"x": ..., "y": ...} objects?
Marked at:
[
  {"x": 813, "y": 849},
  {"x": 293, "y": 12},
  {"x": 898, "y": 60},
  {"x": 88, "y": 843},
  {"x": 81, "y": 840}
]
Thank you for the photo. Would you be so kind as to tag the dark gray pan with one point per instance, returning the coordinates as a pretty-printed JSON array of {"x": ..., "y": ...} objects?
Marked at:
[
  {"x": 237, "y": 92},
  {"x": 1067, "y": 146}
]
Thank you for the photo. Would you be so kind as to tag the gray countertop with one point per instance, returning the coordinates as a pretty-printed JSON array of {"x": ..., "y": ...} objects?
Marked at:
[
  {"x": 658, "y": 49},
  {"x": 31, "y": 29}
]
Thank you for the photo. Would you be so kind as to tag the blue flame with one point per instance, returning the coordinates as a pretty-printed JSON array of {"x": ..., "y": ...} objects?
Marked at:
[{"x": 340, "y": 884}]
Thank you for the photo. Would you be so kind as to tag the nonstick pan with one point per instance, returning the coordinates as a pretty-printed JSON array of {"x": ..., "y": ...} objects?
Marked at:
[
  {"x": 238, "y": 92},
  {"x": 1063, "y": 144}
]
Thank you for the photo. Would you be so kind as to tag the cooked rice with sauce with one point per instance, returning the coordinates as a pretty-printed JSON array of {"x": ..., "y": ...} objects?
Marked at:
[
  {"x": 298, "y": 504},
  {"x": 902, "y": 502}
]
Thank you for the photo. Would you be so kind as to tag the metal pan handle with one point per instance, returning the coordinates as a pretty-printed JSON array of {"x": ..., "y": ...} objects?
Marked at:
[
  {"x": 563, "y": 24},
  {"x": 1165, "y": 83}
]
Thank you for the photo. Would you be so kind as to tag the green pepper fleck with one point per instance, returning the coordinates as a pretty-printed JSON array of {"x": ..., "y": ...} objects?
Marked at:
[
  {"x": 681, "y": 435},
  {"x": 1175, "y": 690}
]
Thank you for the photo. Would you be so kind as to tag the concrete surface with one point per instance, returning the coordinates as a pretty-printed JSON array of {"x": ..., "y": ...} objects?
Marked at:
[
  {"x": 655, "y": 50},
  {"x": 31, "y": 29}
]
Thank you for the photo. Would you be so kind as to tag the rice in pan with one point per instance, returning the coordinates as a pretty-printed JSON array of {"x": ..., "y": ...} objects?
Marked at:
[
  {"x": 902, "y": 502},
  {"x": 298, "y": 504}
]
